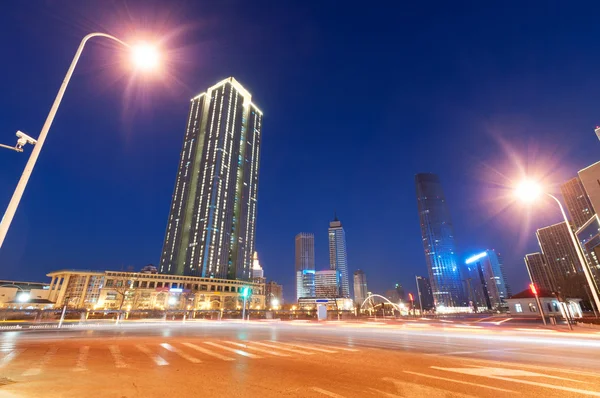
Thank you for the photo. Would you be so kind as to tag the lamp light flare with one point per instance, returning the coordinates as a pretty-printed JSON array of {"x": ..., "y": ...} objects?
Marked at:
[
  {"x": 145, "y": 56},
  {"x": 528, "y": 191}
]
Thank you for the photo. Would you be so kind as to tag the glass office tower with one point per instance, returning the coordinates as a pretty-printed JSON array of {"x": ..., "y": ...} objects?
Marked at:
[
  {"x": 338, "y": 257},
  {"x": 438, "y": 242},
  {"x": 212, "y": 219}
]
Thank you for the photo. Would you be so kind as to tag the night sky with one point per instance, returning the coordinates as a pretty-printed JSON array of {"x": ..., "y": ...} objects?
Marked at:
[{"x": 357, "y": 99}]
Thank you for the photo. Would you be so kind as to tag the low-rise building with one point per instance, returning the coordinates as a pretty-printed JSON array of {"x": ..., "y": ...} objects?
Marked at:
[
  {"x": 143, "y": 290},
  {"x": 24, "y": 295},
  {"x": 525, "y": 304}
]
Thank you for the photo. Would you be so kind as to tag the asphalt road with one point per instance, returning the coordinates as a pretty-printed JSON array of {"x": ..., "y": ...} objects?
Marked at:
[{"x": 294, "y": 359}]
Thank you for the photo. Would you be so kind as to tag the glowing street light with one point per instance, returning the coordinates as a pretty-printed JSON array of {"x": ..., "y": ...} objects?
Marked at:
[
  {"x": 528, "y": 191},
  {"x": 144, "y": 56}
]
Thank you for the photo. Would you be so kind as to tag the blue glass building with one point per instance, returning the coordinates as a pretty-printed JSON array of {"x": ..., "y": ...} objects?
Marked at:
[{"x": 438, "y": 242}]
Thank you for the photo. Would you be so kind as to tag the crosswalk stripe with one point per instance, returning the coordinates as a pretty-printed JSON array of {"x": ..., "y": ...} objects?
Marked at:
[
  {"x": 37, "y": 369},
  {"x": 307, "y": 347},
  {"x": 117, "y": 356},
  {"x": 9, "y": 357},
  {"x": 335, "y": 345},
  {"x": 283, "y": 348},
  {"x": 270, "y": 352},
  {"x": 81, "y": 358},
  {"x": 208, "y": 352},
  {"x": 180, "y": 353},
  {"x": 239, "y": 352},
  {"x": 160, "y": 361}
]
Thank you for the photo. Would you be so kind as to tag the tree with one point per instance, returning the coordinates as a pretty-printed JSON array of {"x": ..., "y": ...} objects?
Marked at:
[{"x": 121, "y": 285}]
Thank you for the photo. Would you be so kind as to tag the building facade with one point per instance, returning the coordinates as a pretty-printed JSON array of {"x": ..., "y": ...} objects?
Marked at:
[
  {"x": 559, "y": 252},
  {"x": 305, "y": 284},
  {"x": 114, "y": 290},
  {"x": 539, "y": 273},
  {"x": 424, "y": 293},
  {"x": 589, "y": 239},
  {"x": 578, "y": 204},
  {"x": 24, "y": 295},
  {"x": 257, "y": 271},
  {"x": 273, "y": 294},
  {"x": 437, "y": 234},
  {"x": 590, "y": 179},
  {"x": 338, "y": 256},
  {"x": 305, "y": 264},
  {"x": 486, "y": 275},
  {"x": 327, "y": 283},
  {"x": 360, "y": 287},
  {"x": 212, "y": 220}
]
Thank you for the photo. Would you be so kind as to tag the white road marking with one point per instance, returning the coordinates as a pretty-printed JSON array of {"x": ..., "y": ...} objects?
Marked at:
[
  {"x": 475, "y": 352},
  {"x": 239, "y": 352},
  {"x": 117, "y": 356},
  {"x": 208, "y": 352},
  {"x": 527, "y": 366},
  {"x": 500, "y": 373},
  {"x": 9, "y": 357},
  {"x": 284, "y": 348},
  {"x": 160, "y": 361},
  {"x": 42, "y": 362},
  {"x": 180, "y": 353},
  {"x": 270, "y": 352},
  {"x": 454, "y": 381},
  {"x": 81, "y": 358},
  {"x": 328, "y": 393},
  {"x": 307, "y": 347}
]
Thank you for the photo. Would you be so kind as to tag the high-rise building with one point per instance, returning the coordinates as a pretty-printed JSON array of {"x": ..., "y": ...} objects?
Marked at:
[
  {"x": 360, "y": 287},
  {"x": 503, "y": 272},
  {"x": 590, "y": 179},
  {"x": 273, "y": 294},
  {"x": 305, "y": 284},
  {"x": 400, "y": 290},
  {"x": 438, "y": 242},
  {"x": 338, "y": 258},
  {"x": 392, "y": 295},
  {"x": 212, "y": 219},
  {"x": 257, "y": 271},
  {"x": 327, "y": 283},
  {"x": 424, "y": 293},
  {"x": 487, "y": 269},
  {"x": 539, "y": 272},
  {"x": 305, "y": 261},
  {"x": 559, "y": 251},
  {"x": 577, "y": 202},
  {"x": 589, "y": 239}
]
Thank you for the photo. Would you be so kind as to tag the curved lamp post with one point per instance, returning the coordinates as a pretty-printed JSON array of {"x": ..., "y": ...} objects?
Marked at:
[
  {"x": 528, "y": 191},
  {"x": 144, "y": 56}
]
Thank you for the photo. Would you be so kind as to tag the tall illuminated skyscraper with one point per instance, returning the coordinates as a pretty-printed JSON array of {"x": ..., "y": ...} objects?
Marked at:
[
  {"x": 578, "y": 204},
  {"x": 360, "y": 287},
  {"x": 438, "y": 242},
  {"x": 338, "y": 257},
  {"x": 305, "y": 265},
  {"x": 212, "y": 220}
]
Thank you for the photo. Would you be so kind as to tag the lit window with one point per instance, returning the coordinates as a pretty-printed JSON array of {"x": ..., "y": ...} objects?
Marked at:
[
  {"x": 532, "y": 308},
  {"x": 518, "y": 308}
]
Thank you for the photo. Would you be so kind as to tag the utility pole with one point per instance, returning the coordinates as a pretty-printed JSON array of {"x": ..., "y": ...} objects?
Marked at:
[
  {"x": 419, "y": 293},
  {"x": 537, "y": 299}
]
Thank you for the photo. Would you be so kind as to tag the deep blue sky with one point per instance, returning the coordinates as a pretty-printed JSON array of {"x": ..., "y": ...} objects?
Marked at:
[{"x": 356, "y": 98}]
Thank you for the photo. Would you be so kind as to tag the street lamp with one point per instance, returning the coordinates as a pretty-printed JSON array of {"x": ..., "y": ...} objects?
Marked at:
[
  {"x": 144, "y": 56},
  {"x": 528, "y": 191}
]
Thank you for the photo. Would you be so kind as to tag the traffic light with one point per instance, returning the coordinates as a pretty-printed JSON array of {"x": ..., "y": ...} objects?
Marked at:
[
  {"x": 410, "y": 296},
  {"x": 533, "y": 289},
  {"x": 245, "y": 292}
]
